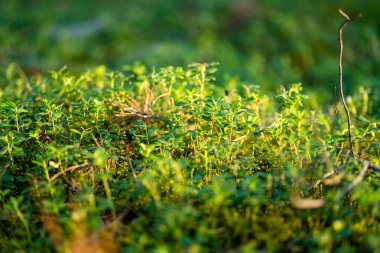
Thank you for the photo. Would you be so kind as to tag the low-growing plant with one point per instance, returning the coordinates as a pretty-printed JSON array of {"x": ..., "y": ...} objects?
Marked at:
[
  {"x": 150, "y": 160},
  {"x": 147, "y": 161}
]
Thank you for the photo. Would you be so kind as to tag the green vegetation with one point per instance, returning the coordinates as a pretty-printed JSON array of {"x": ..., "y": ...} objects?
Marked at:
[
  {"x": 142, "y": 157},
  {"x": 142, "y": 160}
]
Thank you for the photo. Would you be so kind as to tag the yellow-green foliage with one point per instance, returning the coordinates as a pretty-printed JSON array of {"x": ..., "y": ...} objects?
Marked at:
[{"x": 150, "y": 160}]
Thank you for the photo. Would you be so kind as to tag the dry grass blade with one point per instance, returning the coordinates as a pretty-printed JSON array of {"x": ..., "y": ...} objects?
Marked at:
[{"x": 148, "y": 100}]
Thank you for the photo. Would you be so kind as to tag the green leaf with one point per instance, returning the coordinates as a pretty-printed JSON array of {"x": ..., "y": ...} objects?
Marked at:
[
  {"x": 75, "y": 131},
  {"x": 3, "y": 151},
  {"x": 100, "y": 158},
  {"x": 21, "y": 110},
  {"x": 362, "y": 119}
]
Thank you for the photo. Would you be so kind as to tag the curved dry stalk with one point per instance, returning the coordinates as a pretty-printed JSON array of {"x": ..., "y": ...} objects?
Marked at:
[
  {"x": 160, "y": 96},
  {"x": 345, "y": 22},
  {"x": 71, "y": 168},
  {"x": 367, "y": 165}
]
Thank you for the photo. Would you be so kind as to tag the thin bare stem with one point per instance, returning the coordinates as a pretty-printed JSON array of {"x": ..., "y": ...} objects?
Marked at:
[
  {"x": 367, "y": 165},
  {"x": 347, "y": 19},
  {"x": 130, "y": 164},
  {"x": 345, "y": 22},
  {"x": 96, "y": 140},
  {"x": 71, "y": 168}
]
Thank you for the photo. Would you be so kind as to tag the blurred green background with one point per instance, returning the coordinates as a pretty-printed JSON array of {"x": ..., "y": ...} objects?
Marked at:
[{"x": 263, "y": 42}]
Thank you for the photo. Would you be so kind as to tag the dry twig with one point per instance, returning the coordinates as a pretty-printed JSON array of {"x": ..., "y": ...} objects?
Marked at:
[
  {"x": 130, "y": 165},
  {"x": 71, "y": 168},
  {"x": 96, "y": 140},
  {"x": 347, "y": 19}
]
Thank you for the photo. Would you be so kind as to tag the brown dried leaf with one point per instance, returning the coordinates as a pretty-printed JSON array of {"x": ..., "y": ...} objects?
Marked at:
[
  {"x": 302, "y": 203},
  {"x": 334, "y": 181}
]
